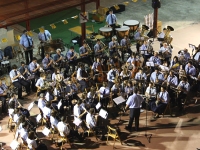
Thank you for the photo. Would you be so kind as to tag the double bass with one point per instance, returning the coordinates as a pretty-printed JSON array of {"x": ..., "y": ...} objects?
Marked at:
[{"x": 136, "y": 65}]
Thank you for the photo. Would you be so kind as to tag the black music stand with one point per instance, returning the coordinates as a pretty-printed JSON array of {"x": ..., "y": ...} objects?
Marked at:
[{"x": 119, "y": 100}]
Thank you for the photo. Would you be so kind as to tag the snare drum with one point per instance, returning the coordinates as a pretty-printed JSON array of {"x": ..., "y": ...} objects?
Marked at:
[
  {"x": 105, "y": 31},
  {"x": 121, "y": 32},
  {"x": 133, "y": 24}
]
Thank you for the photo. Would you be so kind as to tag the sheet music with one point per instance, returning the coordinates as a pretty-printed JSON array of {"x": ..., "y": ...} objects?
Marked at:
[
  {"x": 164, "y": 68},
  {"x": 77, "y": 121},
  {"x": 103, "y": 113},
  {"x": 14, "y": 144},
  {"x": 151, "y": 64},
  {"x": 30, "y": 106},
  {"x": 46, "y": 131},
  {"x": 0, "y": 128},
  {"x": 98, "y": 105},
  {"x": 119, "y": 100},
  {"x": 38, "y": 118},
  {"x": 59, "y": 104}
]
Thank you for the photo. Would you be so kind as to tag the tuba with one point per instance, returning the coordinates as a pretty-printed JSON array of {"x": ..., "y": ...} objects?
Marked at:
[{"x": 168, "y": 39}]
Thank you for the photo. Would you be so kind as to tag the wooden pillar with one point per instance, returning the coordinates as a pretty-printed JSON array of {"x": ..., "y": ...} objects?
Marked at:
[
  {"x": 97, "y": 4},
  {"x": 155, "y": 22},
  {"x": 83, "y": 25},
  {"x": 28, "y": 27}
]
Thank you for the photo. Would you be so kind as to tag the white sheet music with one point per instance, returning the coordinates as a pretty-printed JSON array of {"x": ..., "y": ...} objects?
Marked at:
[
  {"x": 151, "y": 64},
  {"x": 164, "y": 68},
  {"x": 103, "y": 113},
  {"x": 38, "y": 118},
  {"x": 46, "y": 131},
  {"x": 98, "y": 105},
  {"x": 119, "y": 100},
  {"x": 14, "y": 145},
  {"x": 31, "y": 106},
  {"x": 77, "y": 121},
  {"x": 59, "y": 104}
]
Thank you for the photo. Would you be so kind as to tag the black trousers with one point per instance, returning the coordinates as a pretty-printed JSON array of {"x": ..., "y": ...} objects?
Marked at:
[
  {"x": 28, "y": 54},
  {"x": 138, "y": 47},
  {"x": 42, "y": 52},
  {"x": 18, "y": 84},
  {"x": 3, "y": 99},
  {"x": 134, "y": 114}
]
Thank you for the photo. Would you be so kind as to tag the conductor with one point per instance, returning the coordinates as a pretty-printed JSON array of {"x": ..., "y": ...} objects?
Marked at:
[{"x": 133, "y": 103}]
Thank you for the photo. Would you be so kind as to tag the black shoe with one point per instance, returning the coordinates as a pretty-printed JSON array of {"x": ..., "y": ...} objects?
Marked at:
[
  {"x": 128, "y": 128},
  {"x": 21, "y": 98}
]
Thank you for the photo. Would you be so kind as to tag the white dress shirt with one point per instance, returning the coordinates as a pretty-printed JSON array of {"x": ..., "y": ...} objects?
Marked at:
[
  {"x": 62, "y": 128},
  {"x": 41, "y": 103},
  {"x": 46, "y": 111},
  {"x": 90, "y": 119},
  {"x": 31, "y": 143},
  {"x": 53, "y": 121},
  {"x": 77, "y": 111}
]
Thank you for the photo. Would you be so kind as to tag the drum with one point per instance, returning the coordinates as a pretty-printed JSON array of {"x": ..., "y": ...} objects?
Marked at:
[
  {"x": 121, "y": 32},
  {"x": 105, "y": 31},
  {"x": 5, "y": 63},
  {"x": 133, "y": 24}
]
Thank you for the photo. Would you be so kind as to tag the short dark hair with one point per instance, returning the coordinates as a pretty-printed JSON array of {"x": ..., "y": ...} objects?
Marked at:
[
  {"x": 22, "y": 62},
  {"x": 24, "y": 31},
  {"x": 98, "y": 40},
  {"x": 110, "y": 10},
  {"x": 14, "y": 67},
  {"x": 34, "y": 58},
  {"x": 79, "y": 102},
  {"x": 71, "y": 47}
]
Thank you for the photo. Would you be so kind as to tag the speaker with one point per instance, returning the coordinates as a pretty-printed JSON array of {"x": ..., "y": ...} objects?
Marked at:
[{"x": 156, "y": 4}]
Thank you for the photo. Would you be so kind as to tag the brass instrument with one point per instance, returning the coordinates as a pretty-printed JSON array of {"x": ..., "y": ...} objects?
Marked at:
[
  {"x": 103, "y": 46},
  {"x": 167, "y": 38},
  {"x": 88, "y": 48},
  {"x": 46, "y": 85}
]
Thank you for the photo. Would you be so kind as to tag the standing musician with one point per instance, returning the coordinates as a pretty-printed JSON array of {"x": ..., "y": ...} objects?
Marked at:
[
  {"x": 91, "y": 121},
  {"x": 3, "y": 95},
  {"x": 80, "y": 78},
  {"x": 58, "y": 58},
  {"x": 144, "y": 50},
  {"x": 125, "y": 43},
  {"x": 71, "y": 56},
  {"x": 19, "y": 81},
  {"x": 166, "y": 52},
  {"x": 111, "y": 76},
  {"x": 138, "y": 37},
  {"x": 47, "y": 63},
  {"x": 84, "y": 54},
  {"x": 104, "y": 94},
  {"x": 41, "y": 84},
  {"x": 133, "y": 103},
  {"x": 44, "y": 37},
  {"x": 27, "y": 43},
  {"x": 111, "y": 20},
  {"x": 158, "y": 106},
  {"x": 112, "y": 46}
]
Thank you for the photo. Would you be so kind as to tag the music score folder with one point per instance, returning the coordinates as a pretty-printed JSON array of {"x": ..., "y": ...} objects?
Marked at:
[{"x": 119, "y": 100}]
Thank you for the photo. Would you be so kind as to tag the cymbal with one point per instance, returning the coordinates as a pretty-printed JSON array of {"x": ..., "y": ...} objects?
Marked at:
[
  {"x": 74, "y": 101},
  {"x": 145, "y": 27},
  {"x": 170, "y": 28}
]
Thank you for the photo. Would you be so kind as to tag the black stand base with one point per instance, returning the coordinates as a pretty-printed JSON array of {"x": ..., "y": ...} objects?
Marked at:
[{"x": 148, "y": 136}]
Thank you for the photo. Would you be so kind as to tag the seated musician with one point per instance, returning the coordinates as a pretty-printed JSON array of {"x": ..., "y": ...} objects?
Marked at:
[
  {"x": 98, "y": 49},
  {"x": 158, "y": 106},
  {"x": 80, "y": 78},
  {"x": 132, "y": 59},
  {"x": 190, "y": 71},
  {"x": 144, "y": 50},
  {"x": 174, "y": 64},
  {"x": 166, "y": 51},
  {"x": 157, "y": 78},
  {"x": 57, "y": 76},
  {"x": 65, "y": 130},
  {"x": 92, "y": 99},
  {"x": 156, "y": 60},
  {"x": 41, "y": 103},
  {"x": 84, "y": 54},
  {"x": 58, "y": 58},
  {"x": 150, "y": 94},
  {"x": 112, "y": 46},
  {"x": 162, "y": 36},
  {"x": 47, "y": 63},
  {"x": 78, "y": 111},
  {"x": 23, "y": 69},
  {"x": 18, "y": 81},
  {"x": 3, "y": 95},
  {"x": 138, "y": 37},
  {"x": 47, "y": 113},
  {"x": 184, "y": 88},
  {"x": 41, "y": 84},
  {"x": 58, "y": 91},
  {"x": 53, "y": 119},
  {"x": 186, "y": 54},
  {"x": 23, "y": 132},
  {"x": 129, "y": 89},
  {"x": 92, "y": 123},
  {"x": 34, "y": 67},
  {"x": 44, "y": 37},
  {"x": 140, "y": 75},
  {"x": 125, "y": 43},
  {"x": 104, "y": 94},
  {"x": 111, "y": 76},
  {"x": 71, "y": 56},
  {"x": 95, "y": 65},
  {"x": 125, "y": 74},
  {"x": 116, "y": 90}
]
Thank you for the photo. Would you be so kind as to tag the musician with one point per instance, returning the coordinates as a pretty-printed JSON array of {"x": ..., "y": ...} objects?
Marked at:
[
  {"x": 58, "y": 91},
  {"x": 57, "y": 76},
  {"x": 132, "y": 59},
  {"x": 34, "y": 67},
  {"x": 95, "y": 65},
  {"x": 138, "y": 37},
  {"x": 174, "y": 64},
  {"x": 166, "y": 51},
  {"x": 150, "y": 92},
  {"x": 19, "y": 81},
  {"x": 115, "y": 90},
  {"x": 92, "y": 123},
  {"x": 13, "y": 99},
  {"x": 126, "y": 43},
  {"x": 172, "y": 80},
  {"x": 78, "y": 110},
  {"x": 112, "y": 74},
  {"x": 129, "y": 89},
  {"x": 47, "y": 63},
  {"x": 155, "y": 59},
  {"x": 23, "y": 132},
  {"x": 53, "y": 119},
  {"x": 43, "y": 38},
  {"x": 64, "y": 129},
  {"x": 196, "y": 55},
  {"x": 111, "y": 20},
  {"x": 98, "y": 50},
  {"x": 161, "y": 36},
  {"x": 3, "y": 95},
  {"x": 40, "y": 84},
  {"x": 80, "y": 78},
  {"x": 190, "y": 69},
  {"x": 184, "y": 88},
  {"x": 104, "y": 94},
  {"x": 112, "y": 46},
  {"x": 58, "y": 58},
  {"x": 185, "y": 53},
  {"x": 92, "y": 98},
  {"x": 158, "y": 106},
  {"x": 140, "y": 75},
  {"x": 133, "y": 103},
  {"x": 27, "y": 43},
  {"x": 71, "y": 58},
  {"x": 41, "y": 102},
  {"x": 84, "y": 54},
  {"x": 125, "y": 74}
]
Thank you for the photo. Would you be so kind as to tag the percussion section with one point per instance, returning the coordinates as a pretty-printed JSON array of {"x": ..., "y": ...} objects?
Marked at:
[
  {"x": 132, "y": 24},
  {"x": 51, "y": 46},
  {"x": 121, "y": 32},
  {"x": 106, "y": 32}
]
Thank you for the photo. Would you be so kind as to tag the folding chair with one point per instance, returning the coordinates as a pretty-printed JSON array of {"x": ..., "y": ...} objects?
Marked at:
[
  {"x": 23, "y": 144},
  {"x": 54, "y": 131},
  {"x": 113, "y": 134},
  {"x": 168, "y": 107},
  {"x": 89, "y": 130},
  {"x": 10, "y": 124},
  {"x": 63, "y": 139}
]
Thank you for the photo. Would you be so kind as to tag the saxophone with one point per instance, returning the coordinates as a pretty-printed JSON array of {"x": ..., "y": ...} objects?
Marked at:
[{"x": 88, "y": 48}]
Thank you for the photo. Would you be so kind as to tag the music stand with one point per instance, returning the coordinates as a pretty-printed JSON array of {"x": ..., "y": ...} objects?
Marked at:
[{"x": 119, "y": 100}]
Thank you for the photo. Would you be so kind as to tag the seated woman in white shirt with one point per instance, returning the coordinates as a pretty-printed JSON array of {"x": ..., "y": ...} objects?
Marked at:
[{"x": 53, "y": 119}]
